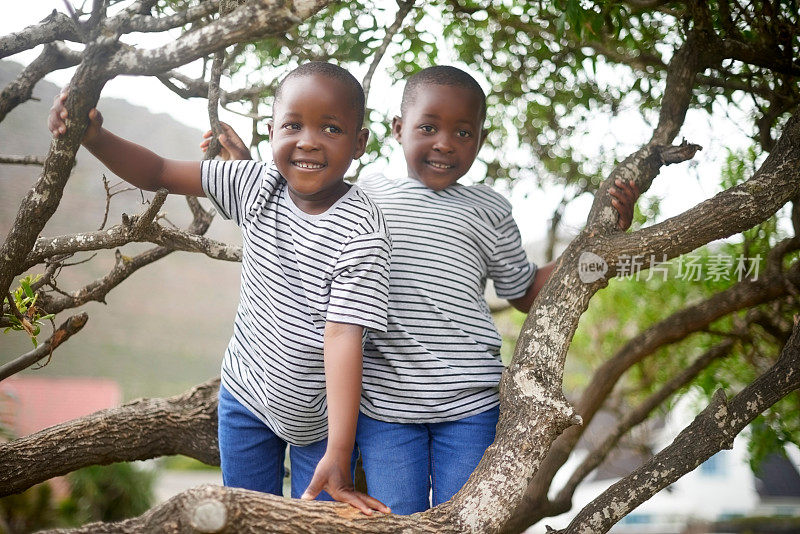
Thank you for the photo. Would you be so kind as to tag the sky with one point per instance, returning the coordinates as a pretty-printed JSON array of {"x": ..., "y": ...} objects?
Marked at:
[{"x": 678, "y": 186}]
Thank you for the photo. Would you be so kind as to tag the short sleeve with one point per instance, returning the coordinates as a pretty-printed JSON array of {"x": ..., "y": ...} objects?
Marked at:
[
  {"x": 360, "y": 287},
  {"x": 235, "y": 186},
  {"x": 509, "y": 267}
]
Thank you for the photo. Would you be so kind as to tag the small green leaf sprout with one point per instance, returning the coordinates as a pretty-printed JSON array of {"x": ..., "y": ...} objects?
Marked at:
[{"x": 23, "y": 314}]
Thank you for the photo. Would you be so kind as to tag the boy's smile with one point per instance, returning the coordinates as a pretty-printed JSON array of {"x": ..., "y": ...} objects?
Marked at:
[
  {"x": 441, "y": 134},
  {"x": 315, "y": 136}
]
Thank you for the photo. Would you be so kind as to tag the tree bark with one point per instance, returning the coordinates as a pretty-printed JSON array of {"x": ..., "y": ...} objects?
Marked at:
[{"x": 142, "y": 429}]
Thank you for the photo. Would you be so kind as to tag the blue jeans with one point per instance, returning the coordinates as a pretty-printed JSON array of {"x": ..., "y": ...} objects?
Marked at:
[
  {"x": 252, "y": 456},
  {"x": 406, "y": 463}
]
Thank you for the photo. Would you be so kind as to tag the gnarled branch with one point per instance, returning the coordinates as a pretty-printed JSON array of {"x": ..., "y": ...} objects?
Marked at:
[{"x": 711, "y": 431}]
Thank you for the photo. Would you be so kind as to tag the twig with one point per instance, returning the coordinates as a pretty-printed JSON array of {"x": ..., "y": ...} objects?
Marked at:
[
  {"x": 402, "y": 12},
  {"x": 13, "y": 307},
  {"x": 109, "y": 194},
  {"x": 70, "y": 327},
  {"x": 22, "y": 160}
]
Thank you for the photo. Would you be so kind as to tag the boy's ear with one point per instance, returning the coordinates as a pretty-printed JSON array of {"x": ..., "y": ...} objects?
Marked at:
[
  {"x": 484, "y": 133},
  {"x": 270, "y": 125},
  {"x": 361, "y": 143},
  {"x": 397, "y": 127}
]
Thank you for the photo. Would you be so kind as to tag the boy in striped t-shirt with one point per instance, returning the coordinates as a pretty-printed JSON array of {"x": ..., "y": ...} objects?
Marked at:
[
  {"x": 430, "y": 396},
  {"x": 315, "y": 271}
]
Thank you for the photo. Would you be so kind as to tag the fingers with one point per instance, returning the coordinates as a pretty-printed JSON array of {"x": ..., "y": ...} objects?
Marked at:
[
  {"x": 95, "y": 116},
  {"x": 624, "y": 198},
  {"x": 375, "y": 504},
  {"x": 353, "y": 499},
  {"x": 57, "y": 116},
  {"x": 314, "y": 488}
]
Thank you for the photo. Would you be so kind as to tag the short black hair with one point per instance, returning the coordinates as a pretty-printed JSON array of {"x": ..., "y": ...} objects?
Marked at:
[
  {"x": 441, "y": 75},
  {"x": 335, "y": 72}
]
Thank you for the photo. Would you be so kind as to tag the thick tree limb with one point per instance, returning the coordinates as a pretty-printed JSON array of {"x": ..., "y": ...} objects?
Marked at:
[
  {"x": 672, "y": 329},
  {"x": 217, "y": 509},
  {"x": 144, "y": 23},
  {"x": 537, "y": 366},
  {"x": 42, "y": 200},
  {"x": 55, "y": 56},
  {"x": 732, "y": 211},
  {"x": 253, "y": 20},
  {"x": 67, "y": 329},
  {"x": 138, "y": 430},
  {"x": 55, "y": 27},
  {"x": 711, "y": 431}
]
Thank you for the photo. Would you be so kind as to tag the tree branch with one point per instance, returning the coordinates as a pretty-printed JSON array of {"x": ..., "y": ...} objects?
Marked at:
[
  {"x": 55, "y": 27},
  {"x": 122, "y": 234},
  {"x": 127, "y": 23},
  {"x": 732, "y": 211},
  {"x": 183, "y": 424},
  {"x": 563, "y": 500},
  {"x": 672, "y": 329},
  {"x": 711, "y": 431},
  {"x": 217, "y": 509},
  {"x": 253, "y": 20},
  {"x": 198, "y": 88},
  {"x": 42, "y": 200},
  {"x": 21, "y": 160},
  {"x": 55, "y": 56},
  {"x": 67, "y": 329},
  {"x": 404, "y": 8}
]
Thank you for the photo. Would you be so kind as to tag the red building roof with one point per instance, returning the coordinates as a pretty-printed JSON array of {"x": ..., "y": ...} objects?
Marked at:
[{"x": 29, "y": 404}]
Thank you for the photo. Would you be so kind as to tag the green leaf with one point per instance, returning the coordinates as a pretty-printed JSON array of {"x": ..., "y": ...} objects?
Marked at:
[{"x": 27, "y": 287}]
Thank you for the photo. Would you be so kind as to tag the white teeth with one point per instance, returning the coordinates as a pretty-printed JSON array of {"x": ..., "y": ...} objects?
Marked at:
[
  {"x": 439, "y": 165},
  {"x": 307, "y": 165}
]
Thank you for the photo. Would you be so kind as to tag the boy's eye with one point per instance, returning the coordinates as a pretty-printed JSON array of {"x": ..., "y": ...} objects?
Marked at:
[
  {"x": 427, "y": 128},
  {"x": 291, "y": 126},
  {"x": 331, "y": 129},
  {"x": 464, "y": 133}
]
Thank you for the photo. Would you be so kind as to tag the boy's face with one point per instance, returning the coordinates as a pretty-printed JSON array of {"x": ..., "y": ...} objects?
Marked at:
[
  {"x": 440, "y": 133},
  {"x": 315, "y": 136}
]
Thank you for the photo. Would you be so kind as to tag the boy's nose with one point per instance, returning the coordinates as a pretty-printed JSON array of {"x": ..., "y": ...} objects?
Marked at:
[
  {"x": 307, "y": 141},
  {"x": 443, "y": 145}
]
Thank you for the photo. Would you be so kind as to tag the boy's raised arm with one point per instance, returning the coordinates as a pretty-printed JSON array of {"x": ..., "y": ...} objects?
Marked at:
[
  {"x": 343, "y": 361},
  {"x": 131, "y": 162},
  {"x": 625, "y": 195}
]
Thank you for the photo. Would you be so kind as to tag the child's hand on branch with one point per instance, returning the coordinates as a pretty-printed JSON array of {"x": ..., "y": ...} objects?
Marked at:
[
  {"x": 333, "y": 476},
  {"x": 56, "y": 119},
  {"x": 233, "y": 147},
  {"x": 625, "y": 195}
]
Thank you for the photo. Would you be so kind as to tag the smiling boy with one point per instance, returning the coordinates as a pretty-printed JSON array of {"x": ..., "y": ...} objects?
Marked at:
[
  {"x": 430, "y": 401},
  {"x": 314, "y": 278}
]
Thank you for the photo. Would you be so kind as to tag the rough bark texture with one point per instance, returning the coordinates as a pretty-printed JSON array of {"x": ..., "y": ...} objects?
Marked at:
[
  {"x": 218, "y": 509},
  {"x": 55, "y": 56},
  {"x": 138, "y": 430},
  {"x": 41, "y": 202}
]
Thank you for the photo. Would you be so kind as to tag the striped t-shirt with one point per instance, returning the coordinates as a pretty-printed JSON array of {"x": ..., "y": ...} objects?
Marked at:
[
  {"x": 439, "y": 359},
  {"x": 298, "y": 271}
]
